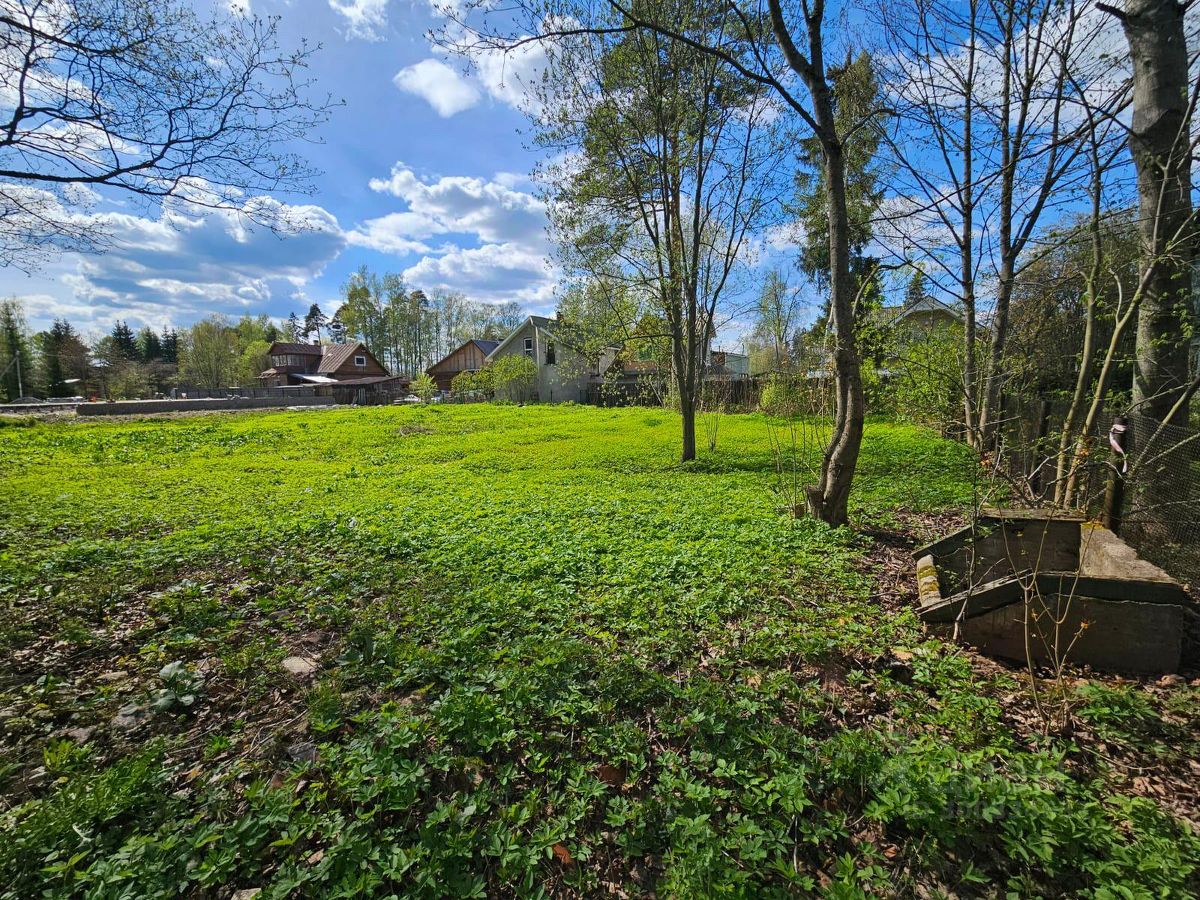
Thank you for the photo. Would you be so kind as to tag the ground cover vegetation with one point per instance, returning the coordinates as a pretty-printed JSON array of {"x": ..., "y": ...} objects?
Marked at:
[{"x": 489, "y": 650}]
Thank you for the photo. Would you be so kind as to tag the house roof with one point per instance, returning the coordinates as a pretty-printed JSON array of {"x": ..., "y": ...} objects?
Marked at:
[
  {"x": 371, "y": 379},
  {"x": 639, "y": 366},
  {"x": 895, "y": 314},
  {"x": 333, "y": 356},
  {"x": 537, "y": 322},
  {"x": 281, "y": 347},
  {"x": 485, "y": 347},
  {"x": 555, "y": 329}
]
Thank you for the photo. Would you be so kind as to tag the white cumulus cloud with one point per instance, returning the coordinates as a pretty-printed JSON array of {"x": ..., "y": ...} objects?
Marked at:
[
  {"x": 179, "y": 266},
  {"x": 493, "y": 237},
  {"x": 364, "y": 19},
  {"x": 439, "y": 85}
]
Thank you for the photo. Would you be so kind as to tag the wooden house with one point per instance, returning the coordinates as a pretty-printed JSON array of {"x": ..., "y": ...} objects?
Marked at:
[
  {"x": 297, "y": 364},
  {"x": 470, "y": 357}
]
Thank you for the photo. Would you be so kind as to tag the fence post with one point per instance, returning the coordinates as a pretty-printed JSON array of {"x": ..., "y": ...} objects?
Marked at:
[{"x": 1114, "y": 491}]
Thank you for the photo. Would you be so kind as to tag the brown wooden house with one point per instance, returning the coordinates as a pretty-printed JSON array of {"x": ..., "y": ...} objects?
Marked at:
[
  {"x": 309, "y": 364},
  {"x": 470, "y": 357}
]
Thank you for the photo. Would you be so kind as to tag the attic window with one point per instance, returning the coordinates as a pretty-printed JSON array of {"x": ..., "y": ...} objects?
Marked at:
[
  {"x": 360, "y": 361},
  {"x": 529, "y": 347},
  {"x": 550, "y": 353}
]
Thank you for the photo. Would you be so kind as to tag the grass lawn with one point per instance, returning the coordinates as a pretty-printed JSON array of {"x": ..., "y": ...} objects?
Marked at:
[{"x": 527, "y": 652}]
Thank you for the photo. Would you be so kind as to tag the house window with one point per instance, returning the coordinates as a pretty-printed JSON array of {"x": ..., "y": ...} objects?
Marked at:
[
  {"x": 360, "y": 361},
  {"x": 529, "y": 347},
  {"x": 550, "y": 353}
]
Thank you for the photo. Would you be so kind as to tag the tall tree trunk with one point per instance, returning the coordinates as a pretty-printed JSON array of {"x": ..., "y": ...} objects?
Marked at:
[
  {"x": 686, "y": 386},
  {"x": 989, "y": 412},
  {"x": 687, "y": 411},
  {"x": 828, "y": 500},
  {"x": 1159, "y": 141}
]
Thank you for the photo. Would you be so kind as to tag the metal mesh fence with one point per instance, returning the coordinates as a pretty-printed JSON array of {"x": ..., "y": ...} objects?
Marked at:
[
  {"x": 1160, "y": 515},
  {"x": 1160, "y": 499}
]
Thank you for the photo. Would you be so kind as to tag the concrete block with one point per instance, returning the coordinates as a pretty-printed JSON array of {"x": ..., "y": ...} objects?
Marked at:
[{"x": 1053, "y": 590}]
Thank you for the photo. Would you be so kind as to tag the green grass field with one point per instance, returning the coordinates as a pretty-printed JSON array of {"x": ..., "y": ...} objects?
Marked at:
[{"x": 549, "y": 660}]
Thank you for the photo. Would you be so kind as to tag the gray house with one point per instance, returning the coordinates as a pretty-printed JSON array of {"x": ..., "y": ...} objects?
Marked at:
[
  {"x": 920, "y": 317},
  {"x": 563, "y": 372}
]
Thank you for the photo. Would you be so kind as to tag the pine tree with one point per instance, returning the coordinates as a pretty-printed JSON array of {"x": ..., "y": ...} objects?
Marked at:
[
  {"x": 337, "y": 328},
  {"x": 856, "y": 92},
  {"x": 52, "y": 378},
  {"x": 124, "y": 341},
  {"x": 63, "y": 357},
  {"x": 314, "y": 321},
  {"x": 16, "y": 360},
  {"x": 149, "y": 347},
  {"x": 169, "y": 346},
  {"x": 52, "y": 344},
  {"x": 915, "y": 292},
  {"x": 295, "y": 330}
]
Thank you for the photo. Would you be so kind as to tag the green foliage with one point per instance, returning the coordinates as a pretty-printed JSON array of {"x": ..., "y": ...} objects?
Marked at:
[
  {"x": 48, "y": 839},
  {"x": 254, "y": 359},
  {"x": 471, "y": 382},
  {"x": 780, "y": 396},
  {"x": 16, "y": 357},
  {"x": 208, "y": 356},
  {"x": 424, "y": 387},
  {"x": 924, "y": 381},
  {"x": 856, "y": 98},
  {"x": 63, "y": 356},
  {"x": 180, "y": 689},
  {"x": 999, "y": 802},
  {"x": 513, "y": 377},
  {"x": 539, "y": 635},
  {"x": 127, "y": 382}
]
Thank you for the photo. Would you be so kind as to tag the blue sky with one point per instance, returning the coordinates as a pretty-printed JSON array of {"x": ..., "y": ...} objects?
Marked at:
[{"x": 424, "y": 172}]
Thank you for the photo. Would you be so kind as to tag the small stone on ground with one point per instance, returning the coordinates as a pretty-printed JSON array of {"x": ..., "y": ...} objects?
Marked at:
[{"x": 300, "y": 666}]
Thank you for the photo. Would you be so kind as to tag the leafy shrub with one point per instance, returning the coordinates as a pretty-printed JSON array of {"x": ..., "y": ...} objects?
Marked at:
[
  {"x": 424, "y": 387},
  {"x": 181, "y": 688},
  {"x": 792, "y": 395},
  {"x": 924, "y": 380},
  {"x": 472, "y": 382},
  {"x": 513, "y": 378}
]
